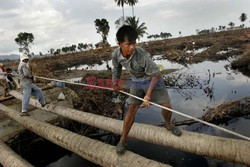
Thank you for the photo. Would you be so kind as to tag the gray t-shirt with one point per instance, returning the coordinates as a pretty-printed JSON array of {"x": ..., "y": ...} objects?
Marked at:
[
  {"x": 25, "y": 74},
  {"x": 139, "y": 65}
]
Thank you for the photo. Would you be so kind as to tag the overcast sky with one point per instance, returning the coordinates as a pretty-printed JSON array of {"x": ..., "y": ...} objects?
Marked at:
[{"x": 59, "y": 23}]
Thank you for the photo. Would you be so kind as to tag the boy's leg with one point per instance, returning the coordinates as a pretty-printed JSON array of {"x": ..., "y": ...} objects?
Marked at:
[
  {"x": 129, "y": 118},
  {"x": 37, "y": 92},
  {"x": 167, "y": 116},
  {"x": 160, "y": 96},
  {"x": 127, "y": 124},
  {"x": 128, "y": 121},
  {"x": 26, "y": 97}
]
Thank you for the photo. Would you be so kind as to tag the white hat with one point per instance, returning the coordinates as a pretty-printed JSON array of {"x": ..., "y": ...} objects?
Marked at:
[{"x": 24, "y": 56}]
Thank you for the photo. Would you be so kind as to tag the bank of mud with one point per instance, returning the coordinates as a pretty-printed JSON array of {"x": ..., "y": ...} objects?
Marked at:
[{"x": 216, "y": 46}]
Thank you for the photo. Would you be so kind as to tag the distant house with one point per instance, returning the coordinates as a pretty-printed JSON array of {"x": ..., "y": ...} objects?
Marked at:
[{"x": 204, "y": 32}]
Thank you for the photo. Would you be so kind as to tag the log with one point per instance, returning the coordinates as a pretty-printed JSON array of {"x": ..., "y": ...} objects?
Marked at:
[
  {"x": 92, "y": 150},
  {"x": 11, "y": 159}
]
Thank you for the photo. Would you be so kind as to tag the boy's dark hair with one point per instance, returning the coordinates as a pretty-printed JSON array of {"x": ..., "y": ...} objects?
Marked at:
[{"x": 126, "y": 31}]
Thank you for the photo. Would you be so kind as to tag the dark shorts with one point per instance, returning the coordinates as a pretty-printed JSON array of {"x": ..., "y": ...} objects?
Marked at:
[
  {"x": 159, "y": 94},
  {"x": 3, "y": 83}
]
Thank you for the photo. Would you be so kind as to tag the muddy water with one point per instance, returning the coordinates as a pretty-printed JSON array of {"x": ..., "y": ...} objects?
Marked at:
[{"x": 198, "y": 87}]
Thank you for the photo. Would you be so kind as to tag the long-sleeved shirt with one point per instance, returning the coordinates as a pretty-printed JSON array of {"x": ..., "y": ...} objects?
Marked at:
[
  {"x": 2, "y": 73},
  {"x": 139, "y": 65},
  {"x": 25, "y": 74}
]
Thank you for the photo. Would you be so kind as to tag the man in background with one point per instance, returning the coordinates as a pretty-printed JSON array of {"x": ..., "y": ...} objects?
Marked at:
[{"x": 28, "y": 88}]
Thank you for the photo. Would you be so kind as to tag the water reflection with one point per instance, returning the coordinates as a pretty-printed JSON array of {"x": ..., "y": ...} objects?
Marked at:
[
  {"x": 105, "y": 65},
  {"x": 192, "y": 90},
  {"x": 72, "y": 160},
  {"x": 210, "y": 85}
]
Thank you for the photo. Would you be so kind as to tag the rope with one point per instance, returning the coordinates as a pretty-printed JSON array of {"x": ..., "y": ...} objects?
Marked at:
[{"x": 152, "y": 103}]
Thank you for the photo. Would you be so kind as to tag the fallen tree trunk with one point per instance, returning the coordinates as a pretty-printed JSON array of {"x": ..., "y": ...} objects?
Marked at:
[
  {"x": 9, "y": 158},
  {"x": 92, "y": 150},
  {"x": 228, "y": 111},
  {"x": 233, "y": 150}
]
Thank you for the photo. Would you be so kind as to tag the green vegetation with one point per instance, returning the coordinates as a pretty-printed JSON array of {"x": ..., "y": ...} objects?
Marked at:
[
  {"x": 121, "y": 3},
  {"x": 140, "y": 28},
  {"x": 243, "y": 18},
  {"x": 132, "y": 3},
  {"x": 24, "y": 39},
  {"x": 162, "y": 35},
  {"x": 102, "y": 27},
  {"x": 231, "y": 24}
]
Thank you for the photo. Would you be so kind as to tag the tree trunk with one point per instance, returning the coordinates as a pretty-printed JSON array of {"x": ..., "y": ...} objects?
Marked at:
[
  {"x": 9, "y": 158},
  {"x": 233, "y": 150},
  {"x": 92, "y": 150},
  {"x": 133, "y": 14},
  {"x": 123, "y": 15}
]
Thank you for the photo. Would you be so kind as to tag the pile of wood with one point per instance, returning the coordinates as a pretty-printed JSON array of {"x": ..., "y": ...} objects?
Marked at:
[{"x": 228, "y": 111}]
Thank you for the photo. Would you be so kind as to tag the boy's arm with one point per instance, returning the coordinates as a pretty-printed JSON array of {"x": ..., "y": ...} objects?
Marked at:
[
  {"x": 116, "y": 72},
  {"x": 3, "y": 73},
  {"x": 148, "y": 95},
  {"x": 151, "y": 70}
]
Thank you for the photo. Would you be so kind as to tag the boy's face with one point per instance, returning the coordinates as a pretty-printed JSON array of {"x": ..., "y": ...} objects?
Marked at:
[{"x": 127, "y": 47}]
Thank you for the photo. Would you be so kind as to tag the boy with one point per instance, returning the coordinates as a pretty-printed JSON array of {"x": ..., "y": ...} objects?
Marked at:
[{"x": 145, "y": 76}]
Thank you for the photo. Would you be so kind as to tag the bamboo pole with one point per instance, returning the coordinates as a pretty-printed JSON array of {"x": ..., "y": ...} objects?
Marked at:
[
  {"x": 228, "y": 149},
  {"x": 9, "y": 158},
  {"x": 92, "y": 150}
]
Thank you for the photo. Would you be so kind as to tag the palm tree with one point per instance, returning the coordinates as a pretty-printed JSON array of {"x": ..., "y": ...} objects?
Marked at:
[
  {"x": 140, "y": 28},
  {"x": 119, "y": 22},
  {"x": 243, "y": 18},
  {"x": 121, "y": 3},
  {"x": 132, "y": 3},
  {"x": 197, "y": 143}
]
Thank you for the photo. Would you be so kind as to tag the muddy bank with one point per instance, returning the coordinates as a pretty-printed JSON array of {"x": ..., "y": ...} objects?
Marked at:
[
  {"x": 223, "y": 113},
  {"x": 47, "y": 66},
  {"x": 219, "y": 46},
  {"x": 243, "y": 62},
  {"x": 228, "y": 110},
  {"x": 183, "y": 50},
  {"x": 213, "y": 46}
]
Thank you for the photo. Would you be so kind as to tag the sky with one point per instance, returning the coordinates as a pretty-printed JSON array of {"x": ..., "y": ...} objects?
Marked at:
[{"x": 59, "y": 23}]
